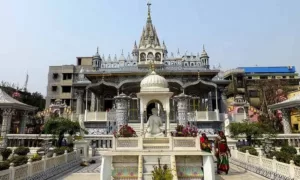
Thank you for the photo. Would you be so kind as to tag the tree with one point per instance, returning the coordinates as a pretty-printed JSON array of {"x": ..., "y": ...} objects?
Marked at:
[
  {"x": 59, "y": 126},
  {"x": 251, "y": 130}
]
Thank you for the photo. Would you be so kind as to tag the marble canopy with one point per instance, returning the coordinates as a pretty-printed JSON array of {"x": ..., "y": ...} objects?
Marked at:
[
  {"x": 293, "y": 102},
  {"x": 7, "y": 102}
]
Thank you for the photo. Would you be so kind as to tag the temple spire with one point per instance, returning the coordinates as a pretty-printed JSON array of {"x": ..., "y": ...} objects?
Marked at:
[{"x": 149, "y": 11}]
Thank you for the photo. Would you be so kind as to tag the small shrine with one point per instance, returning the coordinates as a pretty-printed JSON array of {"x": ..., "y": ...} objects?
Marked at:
[
  {"x": 134, "y": 155},
  {"x": 13, "y": 116}
]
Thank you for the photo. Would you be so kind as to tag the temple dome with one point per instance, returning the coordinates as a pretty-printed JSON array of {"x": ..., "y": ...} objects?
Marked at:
[{"x": 154, "y": 82}]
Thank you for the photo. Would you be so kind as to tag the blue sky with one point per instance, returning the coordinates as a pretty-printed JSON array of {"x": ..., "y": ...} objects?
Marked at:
[{"x": 35, "y": 34}]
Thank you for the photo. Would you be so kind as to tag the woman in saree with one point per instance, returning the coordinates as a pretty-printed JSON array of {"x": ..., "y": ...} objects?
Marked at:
[
  {"x": 222, "y": 152},
  {"x": 204, "y": 143}
]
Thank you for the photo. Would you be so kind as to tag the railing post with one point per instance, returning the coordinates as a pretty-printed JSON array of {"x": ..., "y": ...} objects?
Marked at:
[
  {"x": 140, "y": 168},
  {"x": 274, "y": 164},
  {"x": 12, "y": 171},
  {"x": 29, "y": 164},
  {"x": 75, "y": 151},
  {"x": 247, "y": 156},
  {"x": 66, "y": 156},
  {"x": 207, "y": 118},
  {"x": 292, "y": 169},
  {"x": 44, "y": 161},
  {"x": 197, "y": 139},
  {"x": 298, "y": 150}
]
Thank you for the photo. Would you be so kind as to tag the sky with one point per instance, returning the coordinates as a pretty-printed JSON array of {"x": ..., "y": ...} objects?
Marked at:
[{"x": 36, "y": 34}]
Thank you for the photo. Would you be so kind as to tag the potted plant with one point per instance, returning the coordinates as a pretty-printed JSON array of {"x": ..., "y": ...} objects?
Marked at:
[
  {"x": 125, "y": 131},
  {"x": 161, "y": 173}
]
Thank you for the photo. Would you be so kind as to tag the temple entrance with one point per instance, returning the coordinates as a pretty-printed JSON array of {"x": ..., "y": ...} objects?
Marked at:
[{"x": 154, "y": 104}]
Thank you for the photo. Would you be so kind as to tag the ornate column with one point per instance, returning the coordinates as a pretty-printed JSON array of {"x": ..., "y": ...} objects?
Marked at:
[
  {"x": 182, "y": 108},
  {"x": 79, "y": 97},
  {"x": 121, "y": 109},
  {"x": 286, "y": 121},
  {"x": 7, "y": 115},
  {"x": 93, "y": 103},
  {"x": 209, "y": 105},
  {"x": 24, "y": 118},
  {"x": 223, "y": 100}
]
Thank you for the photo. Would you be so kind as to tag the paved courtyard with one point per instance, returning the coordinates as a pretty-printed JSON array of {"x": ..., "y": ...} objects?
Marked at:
[{"x": 92, "y": 172}]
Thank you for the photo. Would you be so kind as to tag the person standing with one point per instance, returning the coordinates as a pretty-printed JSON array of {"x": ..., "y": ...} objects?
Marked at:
[{"x": 222, "y": 153}]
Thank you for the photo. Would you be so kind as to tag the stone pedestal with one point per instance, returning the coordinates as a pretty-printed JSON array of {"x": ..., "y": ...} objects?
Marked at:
[
  {"x": 208, "y": 167},
  {"x": 6, "y": 124},
  {"x": 82, "y": 147},
  {"x": 106, "y": 166},
  {"x": 121, "y": 110},
  {"x": 182, "y": 108}
]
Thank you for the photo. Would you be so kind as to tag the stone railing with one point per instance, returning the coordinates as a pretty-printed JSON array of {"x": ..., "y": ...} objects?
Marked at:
[
  {"x": 96, "y": 116},
  {"x": 40, "y": 169},
  {"x": 103, "y": 141},
  {"x": 127, "y": 143},
  {"x": 270, "y": 168},
  {"x": 185, "y": 143},
  {"x": 207, "y": 116},
  {"x": 27, "y": 140}
]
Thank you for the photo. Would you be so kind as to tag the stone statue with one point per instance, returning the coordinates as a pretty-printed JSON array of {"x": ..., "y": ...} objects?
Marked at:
[{"x": 153, "y": 125}]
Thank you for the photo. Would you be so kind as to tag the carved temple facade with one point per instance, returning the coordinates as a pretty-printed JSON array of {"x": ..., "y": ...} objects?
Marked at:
[{"x": 94, "y": 86}]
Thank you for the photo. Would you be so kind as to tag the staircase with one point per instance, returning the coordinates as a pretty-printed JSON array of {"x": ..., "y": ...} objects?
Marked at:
[
  {"x": 137, "y": 127},
  {"x": 150, "y": 161}
]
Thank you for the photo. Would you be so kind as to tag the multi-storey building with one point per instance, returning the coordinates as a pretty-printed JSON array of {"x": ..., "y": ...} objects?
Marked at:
[
  {"x": 90, "y": 86},
  {"x": 244, "y": 80}
]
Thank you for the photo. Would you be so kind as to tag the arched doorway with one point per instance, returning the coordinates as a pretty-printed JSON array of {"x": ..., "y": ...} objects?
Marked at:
[{"x": 154, "y": 104}]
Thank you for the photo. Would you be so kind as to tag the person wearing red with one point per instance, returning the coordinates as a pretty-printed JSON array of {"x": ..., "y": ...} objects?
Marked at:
[
  {"x": 204, "y": 143},
  {"x": 222, "y": 153}
]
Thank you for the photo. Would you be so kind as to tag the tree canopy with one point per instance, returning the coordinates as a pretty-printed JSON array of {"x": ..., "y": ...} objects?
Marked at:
[{"x": 59, "y": 126}]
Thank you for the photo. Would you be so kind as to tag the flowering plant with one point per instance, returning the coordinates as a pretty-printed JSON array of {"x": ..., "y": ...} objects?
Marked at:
[
  {"x": 125, "y": 131},
  {"x": 187, "y": 131}
]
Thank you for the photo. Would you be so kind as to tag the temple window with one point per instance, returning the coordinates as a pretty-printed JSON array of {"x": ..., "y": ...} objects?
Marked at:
[
  {"x": 157, "y": 56},
  {"x": 240, "y": 110},
  {"x": 143, "y": 57},
  {"x": 150, "y": 56}
]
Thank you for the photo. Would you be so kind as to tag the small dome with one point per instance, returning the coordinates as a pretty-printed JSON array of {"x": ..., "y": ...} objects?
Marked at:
[{"x": 154, "y": 82}]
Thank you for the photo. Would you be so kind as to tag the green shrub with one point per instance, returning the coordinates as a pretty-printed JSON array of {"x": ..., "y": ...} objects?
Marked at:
[
  {"x": 280, "y": 156},
  {"x": 4, "y": 165},
  {"x": 297, "y": 160},
  {"x": 19, "y": 160},
  {"x": 289, "y": 149},
  {"x": 162, "y": 173},
  {"x": 22, "y": 151},
  {"x": 61, "y": 150},
  {"x": 36, "y": 157},
  {"x": 5, "y": 153},
  {"x": 251, "y": 150}
]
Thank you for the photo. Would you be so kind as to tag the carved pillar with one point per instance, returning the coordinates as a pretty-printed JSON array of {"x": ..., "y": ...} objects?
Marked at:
[
  {"x": 24, "y": 119},
  {"x": 93, "y": 103},
  {"x": 79, "y": 96},
  {"x": 182, "y": 108},
  {"x": 286, "y": 121},
  {"x": 121, "y": 109},
  {"x": 6, "y": 121},
  {"x": 209, "y": 105},
  {"x": 223, "y": 101}
]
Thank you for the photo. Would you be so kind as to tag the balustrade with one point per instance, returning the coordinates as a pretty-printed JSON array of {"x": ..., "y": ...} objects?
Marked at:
[
  {"x": 33, "y": 169},
  {"x": 264, "y": 166}
]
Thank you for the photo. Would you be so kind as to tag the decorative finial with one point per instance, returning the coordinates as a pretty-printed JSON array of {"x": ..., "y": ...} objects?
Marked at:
[
  {"x": 198, "y": 75},
  {"x": 152, "y": 67},
  {"x": 122, "y": 52},
  {"x": 149, "y": 11},
  {"x": 97, "y": 49},
  {"x": 203, "y": 48}
]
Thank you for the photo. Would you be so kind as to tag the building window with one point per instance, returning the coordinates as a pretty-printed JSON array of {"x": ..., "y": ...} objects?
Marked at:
[
  {"x": 67, "y": 101},
  {"x": 283, "y": 77},
  {"x": 52, "y": 101},
  {"x": 66, "y": 89},
  {"x": 263, "y": 77},
  {"x": 273, "y": 77},
  {"x": 67, "y": 76},
  {"x": 78, "y": 61},
  {"x": 292, "y": 77},
  {"x": 54, "y": 88},
  {"x": 55, "y": 75},
  {"x": 296, "y": 127},
  {"x": 249, "y": 77}
]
